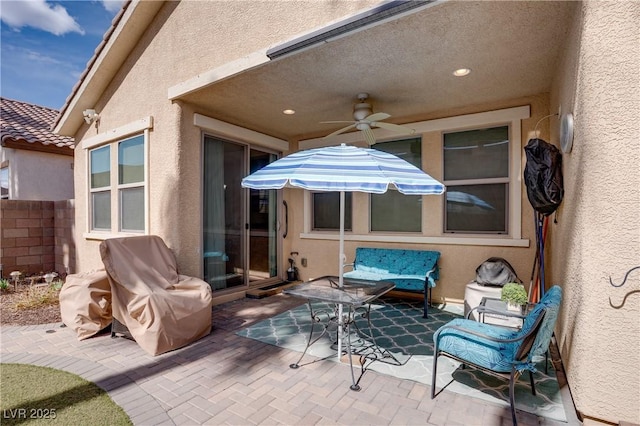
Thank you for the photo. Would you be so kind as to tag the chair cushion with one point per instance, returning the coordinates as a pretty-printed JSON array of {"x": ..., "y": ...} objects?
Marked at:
[
  {"x": 497, "y": 356},
  {"x": 483, "y": 352},
  {"x": 550, "y": 303},
  {"x": 395, "y": 261},
  {"x": 407, "y": 269}
]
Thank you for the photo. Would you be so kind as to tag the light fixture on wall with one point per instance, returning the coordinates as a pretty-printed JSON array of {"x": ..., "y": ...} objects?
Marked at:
[
  {"x": 566, "y": 132},
  {"x": 90, "y": 115}
]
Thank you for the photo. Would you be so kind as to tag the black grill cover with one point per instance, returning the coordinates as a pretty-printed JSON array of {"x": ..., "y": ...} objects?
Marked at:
[{"x": 543, "y": 176}]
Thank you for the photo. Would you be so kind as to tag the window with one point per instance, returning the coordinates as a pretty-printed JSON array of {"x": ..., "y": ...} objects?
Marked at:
[
  {"x": 127, "y": 185},
  {"x": 101, "y": 188},
  {"x": 131, "y": 184},
  {"x": 476, "y": 174},
  {"x": 393, "y": 211},
  {"x": 4, "y": 183},
  {"x": 326, "y": 211}
]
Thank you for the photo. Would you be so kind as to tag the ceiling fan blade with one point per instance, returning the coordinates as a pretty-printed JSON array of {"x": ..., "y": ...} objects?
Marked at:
[
  {"x": 394, "y": 127},
  {"x": 369, "y": 136},
  {"x": 333, "y": 122},
  {"x": 377, "y": 116},
  {"x": 337, "y": 132}
]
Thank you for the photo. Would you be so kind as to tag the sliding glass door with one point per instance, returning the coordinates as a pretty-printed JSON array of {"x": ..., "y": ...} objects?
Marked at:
[
  {"x": 263, "y": 255},
  {"x": 239, "y": 225}
]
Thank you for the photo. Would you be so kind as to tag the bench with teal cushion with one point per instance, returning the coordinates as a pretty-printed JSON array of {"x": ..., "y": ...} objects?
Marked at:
[{"x": 409, "y": 270}]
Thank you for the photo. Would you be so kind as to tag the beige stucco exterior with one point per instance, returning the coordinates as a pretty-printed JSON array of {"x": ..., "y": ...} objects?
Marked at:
[
  {"x": 179, "y": 43},
  {"x": 597, "y": 233},
  {"x": 38, "y": 176},
  {"x": 597, "y": 236}
]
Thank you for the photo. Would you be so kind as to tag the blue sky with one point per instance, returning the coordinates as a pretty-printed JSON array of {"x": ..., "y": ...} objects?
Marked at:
[{"x": 45, "y": 46}]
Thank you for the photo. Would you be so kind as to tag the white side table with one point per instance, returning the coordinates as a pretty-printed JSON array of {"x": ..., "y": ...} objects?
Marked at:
[{"x": 473, "y": 295}]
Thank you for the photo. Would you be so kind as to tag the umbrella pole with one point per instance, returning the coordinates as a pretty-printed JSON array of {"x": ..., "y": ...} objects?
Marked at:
[{"x": 340, "y": 272}]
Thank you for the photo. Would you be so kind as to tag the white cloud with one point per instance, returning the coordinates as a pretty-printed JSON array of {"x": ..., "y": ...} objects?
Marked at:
[
  {"x": 38, "y": 14},
  {"x": 112, "y": 6}
]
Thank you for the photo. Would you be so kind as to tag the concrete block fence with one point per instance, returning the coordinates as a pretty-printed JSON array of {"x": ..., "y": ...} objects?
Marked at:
[{"x": 37, "y": 237}]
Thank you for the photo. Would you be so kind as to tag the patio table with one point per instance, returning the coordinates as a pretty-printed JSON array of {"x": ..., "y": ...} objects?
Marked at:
[{"x": 356, "y": 295}]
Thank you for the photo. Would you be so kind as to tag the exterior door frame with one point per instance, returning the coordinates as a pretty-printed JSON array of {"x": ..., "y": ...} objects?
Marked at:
[{"x": 245, "y": 210}]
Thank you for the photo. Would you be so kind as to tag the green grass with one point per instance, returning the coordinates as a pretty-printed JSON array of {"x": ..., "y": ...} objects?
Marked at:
[{"x": 42, "y": 395}]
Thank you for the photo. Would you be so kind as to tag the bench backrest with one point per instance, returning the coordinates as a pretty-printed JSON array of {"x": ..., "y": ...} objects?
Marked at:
[{"x": 396, "y": 261}]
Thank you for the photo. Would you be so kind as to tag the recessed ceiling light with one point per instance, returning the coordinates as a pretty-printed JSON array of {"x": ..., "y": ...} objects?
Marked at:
[
  {"x": 461, "y": 72},
  {"x": 288, "y": 112}
]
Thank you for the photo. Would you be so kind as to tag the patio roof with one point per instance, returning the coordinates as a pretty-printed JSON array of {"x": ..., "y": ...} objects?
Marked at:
[{"x": 404, "y": 62}]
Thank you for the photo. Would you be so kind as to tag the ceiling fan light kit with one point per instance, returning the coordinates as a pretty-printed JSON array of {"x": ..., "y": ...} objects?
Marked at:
[{"x": 366, "y": 120}]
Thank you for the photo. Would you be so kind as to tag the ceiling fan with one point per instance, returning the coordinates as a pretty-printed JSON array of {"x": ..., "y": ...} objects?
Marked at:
[{"x": 366, "y": 120}]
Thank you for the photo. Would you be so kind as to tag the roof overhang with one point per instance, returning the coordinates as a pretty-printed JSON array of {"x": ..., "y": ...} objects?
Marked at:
[
  {"x": 109, "y": 57},
  {"x": 36, "y": 146},
  {"x": 405, "y": 62}
]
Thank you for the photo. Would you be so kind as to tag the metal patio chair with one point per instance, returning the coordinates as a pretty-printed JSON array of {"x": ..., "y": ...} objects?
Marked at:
[{"x": 497, "y": 350}]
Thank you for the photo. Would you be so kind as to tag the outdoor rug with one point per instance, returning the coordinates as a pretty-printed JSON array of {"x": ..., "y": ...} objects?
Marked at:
[{"x": 398, "y": 327}]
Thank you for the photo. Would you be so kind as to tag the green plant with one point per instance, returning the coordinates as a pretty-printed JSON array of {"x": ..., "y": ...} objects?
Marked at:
[
  {"x": 514, "y": 293},
  {"x": 4, "y": 284}
]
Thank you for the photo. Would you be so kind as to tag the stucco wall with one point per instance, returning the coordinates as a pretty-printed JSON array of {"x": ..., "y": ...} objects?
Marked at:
[
  {"x": 185, "y": 39},
  {"x": 598, "y": 232},
  {"x": 181, "y": 42},
  {"x": 38, "y": 176}
]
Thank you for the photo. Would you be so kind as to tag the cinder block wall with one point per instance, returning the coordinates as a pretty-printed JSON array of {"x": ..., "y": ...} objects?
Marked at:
[{"x": 30, "y": 235}]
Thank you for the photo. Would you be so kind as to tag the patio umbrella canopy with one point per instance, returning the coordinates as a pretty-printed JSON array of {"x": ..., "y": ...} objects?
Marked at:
[{"x": 344, "y": 169}]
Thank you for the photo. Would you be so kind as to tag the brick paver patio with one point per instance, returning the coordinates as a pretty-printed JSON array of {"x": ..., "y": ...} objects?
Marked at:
[{"x": 227, "y": 379}]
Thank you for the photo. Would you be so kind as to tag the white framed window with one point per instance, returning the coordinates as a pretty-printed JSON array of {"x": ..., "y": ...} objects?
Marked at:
[
  {"x": 131, "y": 184},
  {"x": 393, "y": 211},
  {"x": 128, "y": 183},
  {"x": 117, "y": 169},
  {"x": 503, "y": 190},
  {"x": 325, "y": 206},
  {"x": 477, "y": 178},
  {"x": 100, "y": 188}
]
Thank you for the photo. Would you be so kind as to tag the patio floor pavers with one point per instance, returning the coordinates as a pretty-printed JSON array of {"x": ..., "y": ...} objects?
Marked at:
[{"x": 227, "y": 379}]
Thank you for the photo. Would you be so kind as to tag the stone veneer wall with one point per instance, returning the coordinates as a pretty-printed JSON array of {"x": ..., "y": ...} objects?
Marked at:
[{"x": 37, "y": 237}]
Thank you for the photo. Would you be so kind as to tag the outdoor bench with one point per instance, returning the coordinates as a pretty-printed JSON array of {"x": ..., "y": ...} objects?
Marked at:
[{"x": 409, "y": 270}]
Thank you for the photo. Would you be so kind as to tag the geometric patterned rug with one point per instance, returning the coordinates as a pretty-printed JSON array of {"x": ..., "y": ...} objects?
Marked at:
[{"x": 397, "y": 326}]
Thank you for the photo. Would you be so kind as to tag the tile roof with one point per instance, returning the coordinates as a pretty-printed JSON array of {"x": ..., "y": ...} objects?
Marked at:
[{"x": 25, "y": 124}]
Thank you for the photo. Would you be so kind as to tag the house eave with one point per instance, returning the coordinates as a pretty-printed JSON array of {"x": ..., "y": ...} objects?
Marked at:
[
  {"x": 36, "y": 146},
  {"x": 385, "y": 12},
  {"x": 110, "y": 55}
]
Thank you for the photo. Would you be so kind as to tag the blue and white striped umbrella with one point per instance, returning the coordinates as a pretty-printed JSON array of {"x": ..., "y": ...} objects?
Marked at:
[{"x": 344, "y": 169}]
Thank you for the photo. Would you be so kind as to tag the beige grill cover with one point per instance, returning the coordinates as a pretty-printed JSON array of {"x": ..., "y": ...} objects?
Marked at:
[
  {"x": 162, "y": 309},
  {"x": 85, "y": 303}
]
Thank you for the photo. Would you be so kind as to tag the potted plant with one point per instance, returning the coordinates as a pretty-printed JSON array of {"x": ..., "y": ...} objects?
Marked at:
[{"x": 515, "y": 295}]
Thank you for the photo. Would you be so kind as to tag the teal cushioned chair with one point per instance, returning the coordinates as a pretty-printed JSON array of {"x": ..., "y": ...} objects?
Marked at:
[{"x": 498, "y": 350}]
